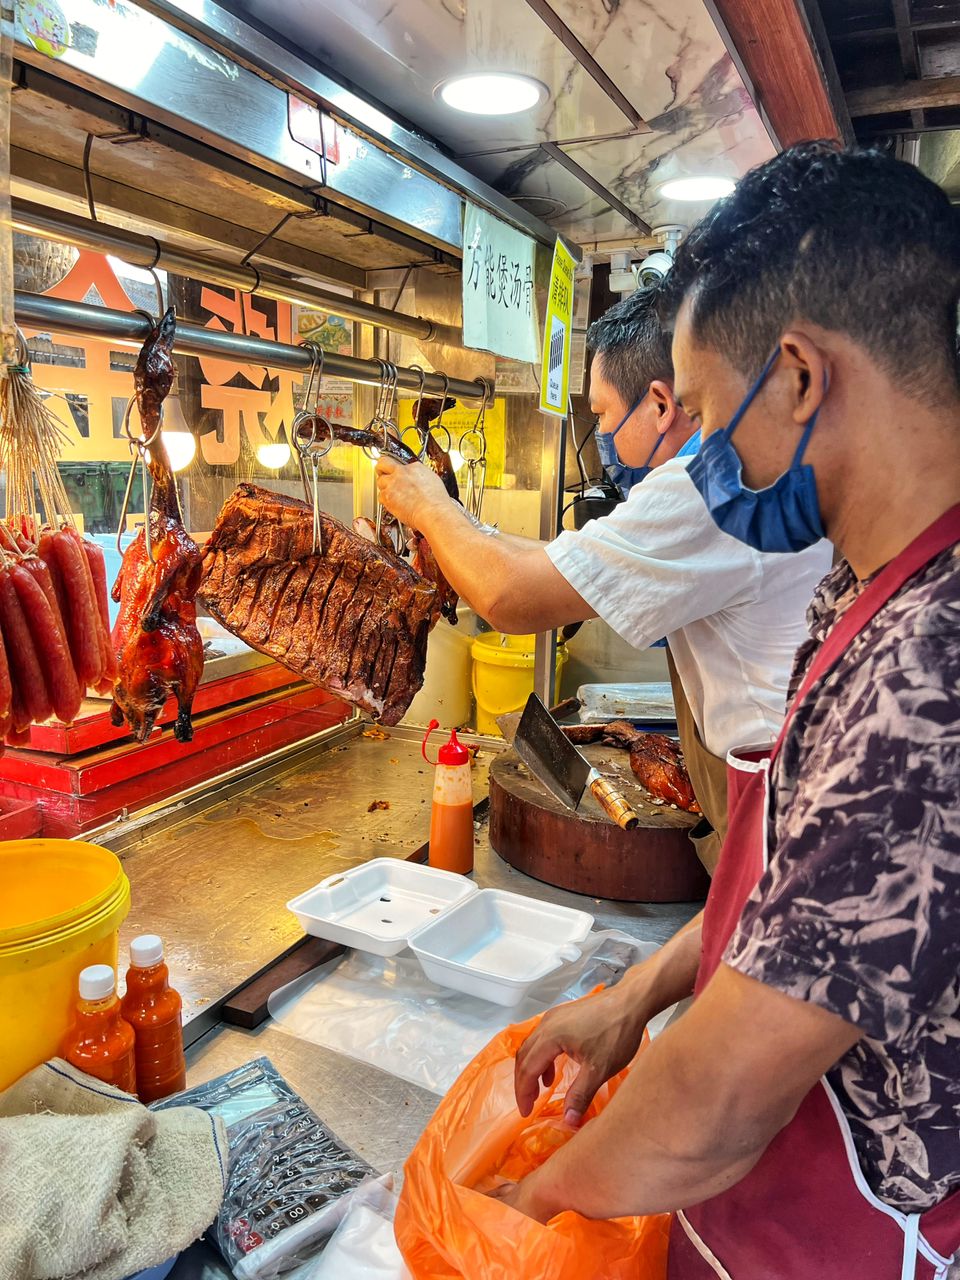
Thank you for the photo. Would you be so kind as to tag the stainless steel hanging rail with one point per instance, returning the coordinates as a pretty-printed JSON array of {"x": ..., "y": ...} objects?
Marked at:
[
  {"x": 39, "y": 312},
  {"x": 146, "y": 251}
]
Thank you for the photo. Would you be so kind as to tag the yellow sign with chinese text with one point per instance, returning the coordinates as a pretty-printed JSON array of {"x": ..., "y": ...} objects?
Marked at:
[{"x": 557, "y": 331}]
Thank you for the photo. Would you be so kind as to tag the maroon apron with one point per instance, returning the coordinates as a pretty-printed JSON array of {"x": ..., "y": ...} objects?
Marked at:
[{"x": 805, "y": 1211}]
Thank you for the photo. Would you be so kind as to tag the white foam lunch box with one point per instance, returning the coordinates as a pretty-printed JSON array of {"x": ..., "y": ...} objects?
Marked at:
[
  {"x": 377, "y": 906},
  {"x": 496, "y": 945}
]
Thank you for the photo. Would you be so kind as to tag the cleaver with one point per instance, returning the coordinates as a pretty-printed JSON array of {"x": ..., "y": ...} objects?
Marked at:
[
  {"x": 553, "y": 759},
  {"x": 510, "y": 721}
]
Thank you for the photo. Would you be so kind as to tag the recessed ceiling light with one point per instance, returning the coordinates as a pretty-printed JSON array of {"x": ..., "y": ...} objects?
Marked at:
[
  {"x": 491, "y": 93},
  {"x": 697, "y": 188},
  {"x": 540, "y": 206}
]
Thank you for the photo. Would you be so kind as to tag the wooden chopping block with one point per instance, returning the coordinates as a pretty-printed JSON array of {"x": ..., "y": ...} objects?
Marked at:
[{"x": 584, "y": 851}]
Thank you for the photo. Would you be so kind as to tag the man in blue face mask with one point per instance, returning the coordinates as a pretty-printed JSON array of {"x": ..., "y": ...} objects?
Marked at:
[
  {"x": 658, "y": 565},
  {"x": 639, "y": 426}
]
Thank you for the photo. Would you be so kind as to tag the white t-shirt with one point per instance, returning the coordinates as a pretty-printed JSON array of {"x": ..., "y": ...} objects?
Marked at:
[{"x": 733, "y": 617}]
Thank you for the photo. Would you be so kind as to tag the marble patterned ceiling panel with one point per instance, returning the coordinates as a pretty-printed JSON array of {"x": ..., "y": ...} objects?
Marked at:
[{"x": 665, "y": 56}]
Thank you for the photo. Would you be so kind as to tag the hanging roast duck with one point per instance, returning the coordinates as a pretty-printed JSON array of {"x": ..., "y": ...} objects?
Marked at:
[{"x": 159, "y": 649}]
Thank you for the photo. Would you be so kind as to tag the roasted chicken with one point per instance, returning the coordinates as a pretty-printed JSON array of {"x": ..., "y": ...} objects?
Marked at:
[
  {"x": 656, "y": 761},
  {"x": 159, "y": 649}
]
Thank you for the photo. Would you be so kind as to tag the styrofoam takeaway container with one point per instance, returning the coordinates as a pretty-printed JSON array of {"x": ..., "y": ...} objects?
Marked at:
[
  {"x": 377, "y": 906},
  {"x": 496, "y": 945}
]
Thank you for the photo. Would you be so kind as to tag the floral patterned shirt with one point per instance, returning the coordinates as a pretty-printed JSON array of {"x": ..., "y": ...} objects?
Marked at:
[{"x": 859, "y": 908}]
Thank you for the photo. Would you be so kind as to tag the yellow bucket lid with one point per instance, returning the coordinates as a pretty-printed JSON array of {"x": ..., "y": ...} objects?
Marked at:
[
  {"x": 502, "y": 650},
  {"x": 52, "y": 887}
]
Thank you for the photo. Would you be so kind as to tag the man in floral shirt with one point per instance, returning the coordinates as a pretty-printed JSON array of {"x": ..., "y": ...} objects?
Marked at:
[
  {"x": 859, "y": 911},
  {"x": 816, "y": 343}
]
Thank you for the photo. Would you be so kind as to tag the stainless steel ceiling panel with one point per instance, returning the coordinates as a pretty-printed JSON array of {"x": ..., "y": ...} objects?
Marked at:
[
  {"x": 143, "y": 63},
  {"x": 221, "y": 29}
]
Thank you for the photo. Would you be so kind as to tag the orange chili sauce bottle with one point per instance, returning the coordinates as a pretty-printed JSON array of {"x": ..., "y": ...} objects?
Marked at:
[{"x": 100, "y": 1042}]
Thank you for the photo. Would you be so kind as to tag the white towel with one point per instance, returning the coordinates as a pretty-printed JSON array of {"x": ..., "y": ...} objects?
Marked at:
[{"x": 93, "y": 1184}]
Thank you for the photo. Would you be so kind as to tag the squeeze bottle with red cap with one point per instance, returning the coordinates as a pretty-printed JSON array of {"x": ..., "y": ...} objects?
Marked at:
[
  {"x": 451, "y": 819},
  {"x": 100, "y": 1042},
  {"x": 153, "y": 1009}
]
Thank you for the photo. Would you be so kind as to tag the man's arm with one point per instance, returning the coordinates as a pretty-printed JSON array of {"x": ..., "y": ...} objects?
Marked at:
[
  {"x": 602, "y": 1034},
  {"x": 509, "y": 581},
  {"x": 699, "y": 1108}
]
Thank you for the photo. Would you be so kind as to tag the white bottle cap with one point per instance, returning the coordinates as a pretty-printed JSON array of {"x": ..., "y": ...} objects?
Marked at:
[
  {"x": 145, "y": 951},
  {"x": 97, "y": 982}
]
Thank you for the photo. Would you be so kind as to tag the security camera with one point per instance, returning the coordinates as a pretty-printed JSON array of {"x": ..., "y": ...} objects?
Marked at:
[{"x": 653, "y": 268}]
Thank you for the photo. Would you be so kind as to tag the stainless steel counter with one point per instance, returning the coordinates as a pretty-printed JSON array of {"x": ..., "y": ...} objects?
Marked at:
[
  {"x": 379, "y": 1115},
  {"x": 214, "y": 883}
]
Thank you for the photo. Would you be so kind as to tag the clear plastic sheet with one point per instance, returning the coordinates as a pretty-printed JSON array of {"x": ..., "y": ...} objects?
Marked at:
[
  {"x": 364, "y": 1246},
  {"x": 649, "y": 702},
  {"x": 388, "y": 1014},
  {"x": 291, "y": 1179}
]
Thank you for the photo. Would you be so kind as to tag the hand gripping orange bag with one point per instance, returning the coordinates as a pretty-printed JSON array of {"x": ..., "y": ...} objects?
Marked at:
[{"x": 448, "y": 1229}]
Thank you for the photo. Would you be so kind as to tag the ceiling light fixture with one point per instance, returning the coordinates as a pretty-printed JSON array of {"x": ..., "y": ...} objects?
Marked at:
[
  {"x": 704, "y": 188},
  {"x": 491, "y": 93}
]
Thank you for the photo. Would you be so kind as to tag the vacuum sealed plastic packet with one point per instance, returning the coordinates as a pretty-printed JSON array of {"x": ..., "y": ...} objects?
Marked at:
[
  {"x": 290, "y": 1179},
  {"x": 449, "y": 1229}
]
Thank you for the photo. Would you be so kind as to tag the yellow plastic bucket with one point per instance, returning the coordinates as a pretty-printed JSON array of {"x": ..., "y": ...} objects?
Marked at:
[
  {"x": 61, "y": 908},
  {"x": 503, "y": 675}
]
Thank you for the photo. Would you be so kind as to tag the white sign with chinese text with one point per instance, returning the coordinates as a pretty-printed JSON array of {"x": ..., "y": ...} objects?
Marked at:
[{"x": 498, "y": 300}]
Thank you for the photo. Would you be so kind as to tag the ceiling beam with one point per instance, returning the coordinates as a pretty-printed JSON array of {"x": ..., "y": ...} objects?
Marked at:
[
  {"x": 912, "y": 95},
  {"x": 868, "y": 128},
  {"x": 871, "y": 33},
  {"x": 909, "y": 52},
  {"x": 552, "y": 19},
  {"x": 593, "y": 184},
  {"x": 909, "y": 56},
  {"x": 784, "y": 48}
]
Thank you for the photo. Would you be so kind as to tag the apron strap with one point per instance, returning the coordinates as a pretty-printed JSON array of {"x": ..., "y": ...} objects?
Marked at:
[
  {"x": 708, "y": 772},
  {"x": 937, "y": 537},
  {"x": 911, "y": 1247}
]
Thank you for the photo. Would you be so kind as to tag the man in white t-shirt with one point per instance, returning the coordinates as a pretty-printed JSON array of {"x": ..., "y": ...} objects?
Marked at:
[{"x": 656, "y": 566}]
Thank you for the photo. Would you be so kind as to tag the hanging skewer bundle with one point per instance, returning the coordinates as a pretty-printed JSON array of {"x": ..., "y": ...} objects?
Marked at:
[{"x": 54, "y": 623}]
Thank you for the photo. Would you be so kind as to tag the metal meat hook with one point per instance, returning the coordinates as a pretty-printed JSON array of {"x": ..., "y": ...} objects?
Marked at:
[
  {"x": 473, "y": 450},
  {"x": 439, "y": 424},
  {"x": 307, "y": 446},
  {"x": 140, "y": 445},
  {"x": 423, "y": 433}
]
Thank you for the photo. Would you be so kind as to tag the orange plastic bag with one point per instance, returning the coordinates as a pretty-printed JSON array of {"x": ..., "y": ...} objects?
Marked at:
[{"x": 447, "y": 1229}]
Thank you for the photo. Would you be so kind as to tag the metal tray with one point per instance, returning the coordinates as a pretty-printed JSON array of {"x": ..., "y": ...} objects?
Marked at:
[{"x": 650, "y": 702}]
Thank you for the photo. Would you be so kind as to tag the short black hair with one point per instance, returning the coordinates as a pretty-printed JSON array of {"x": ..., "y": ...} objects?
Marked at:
[
  {"x": 634, "y": 346},
  {"x": 851, "y": 240}
]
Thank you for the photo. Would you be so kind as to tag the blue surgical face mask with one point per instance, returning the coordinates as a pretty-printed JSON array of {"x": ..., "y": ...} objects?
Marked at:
[
  {"x": 783, "y": 517},
  {"x": 617, "y": 472}
]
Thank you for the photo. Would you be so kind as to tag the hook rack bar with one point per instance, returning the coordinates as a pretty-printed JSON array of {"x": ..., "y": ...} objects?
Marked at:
[{"x": 59, "y": 316}]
